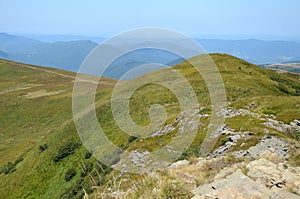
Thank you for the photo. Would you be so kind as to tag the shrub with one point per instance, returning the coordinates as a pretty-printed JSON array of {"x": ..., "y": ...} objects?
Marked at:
[
  {"x": 65, "y": 151},
  {"x": 88, "y": 155},
  {"x": 43, "y": 147},
  {"x": 131, "y": 139},
  {"x": 76, "y": 190},
  {"x": 70, "y": 174},
  {"x": 8, "y": 168},
  {"x": 224, "y": 140},
  {"x": 20, "y": 159},
  {"x": 87, "y": 167},
  {"x": 283, "y": 88}
]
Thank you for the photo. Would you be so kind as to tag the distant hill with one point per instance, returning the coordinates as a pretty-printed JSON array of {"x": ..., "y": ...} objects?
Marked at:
[
  {"x": 255, "y": 51},
  {"x": 55, "y": 38},
  {"x": 293, "y": 66},
  {"x": 17, "y": 44},
  {"x": 69, "y": 55},
  {"x": 63, "y": 55}
]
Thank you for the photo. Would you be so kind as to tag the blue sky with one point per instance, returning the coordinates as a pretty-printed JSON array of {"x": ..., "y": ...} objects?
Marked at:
[{"x": 254, "y": 18}]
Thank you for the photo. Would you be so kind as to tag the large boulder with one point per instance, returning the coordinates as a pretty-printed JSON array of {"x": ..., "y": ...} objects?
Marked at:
[{"x": 238, "y": 185}]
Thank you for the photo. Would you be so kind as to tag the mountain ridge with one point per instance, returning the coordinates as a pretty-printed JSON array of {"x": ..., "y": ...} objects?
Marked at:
[
  {"x": 69, "y": 55},
  {"x": 47, "y": 118}
]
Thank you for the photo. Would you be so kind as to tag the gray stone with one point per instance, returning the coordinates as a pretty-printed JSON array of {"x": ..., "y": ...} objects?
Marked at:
[
  {"x": 178, "y": 164},
  {"x": 236, "y": 185}
]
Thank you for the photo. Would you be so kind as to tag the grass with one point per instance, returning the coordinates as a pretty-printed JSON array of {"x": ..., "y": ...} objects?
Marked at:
[{"x": 27, "y": 124}]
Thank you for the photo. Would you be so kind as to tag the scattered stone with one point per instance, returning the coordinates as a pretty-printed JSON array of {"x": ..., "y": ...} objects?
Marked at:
[
  {"x": 178, "y": 164},
  {"x": 281, "y": 126},
  {"x": 167, "y": 129},
  {"x": 251, "y": 105},
  {"x": 139, "y": 158},
  {"x": 279, "y": 145},
  {"x": 229, "y": 112}
]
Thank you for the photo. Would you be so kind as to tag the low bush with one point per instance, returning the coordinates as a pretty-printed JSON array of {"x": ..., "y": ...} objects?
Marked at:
[
  {"x": 131, "y": 139},
  {"x": 8, "y": 168},
  {"x": 88, "y": 155},
  {"x": 65, "y": 151},
  {"x": 43, "y": 147},
  {"x": 70, "y": 174},
  {"x": 224, "y": 140}
]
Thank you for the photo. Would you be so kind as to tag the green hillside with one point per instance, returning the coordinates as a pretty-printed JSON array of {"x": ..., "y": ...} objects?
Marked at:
[{"x": 41, "y": 155}]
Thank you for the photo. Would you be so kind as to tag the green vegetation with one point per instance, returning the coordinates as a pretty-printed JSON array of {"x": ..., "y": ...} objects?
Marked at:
[
  {"x": 65, "y": 151},
  {"x": 70, "y": 174},
  {"x": 43, "y": 147},
  {"x": 10, "y": 167},
  {"x": 56, "y": 165}
]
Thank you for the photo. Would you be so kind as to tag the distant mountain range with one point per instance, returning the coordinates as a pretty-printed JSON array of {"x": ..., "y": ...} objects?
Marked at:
[
  {"x": 68, "y": 52},
  {"x": 64, "y": 55},
  {"x": 55, "y": 38},
  {"x": 255, "y": 51}
]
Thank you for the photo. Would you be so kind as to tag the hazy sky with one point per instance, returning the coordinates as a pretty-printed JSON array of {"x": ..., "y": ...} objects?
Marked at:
[{"x": 277, "y": 18}]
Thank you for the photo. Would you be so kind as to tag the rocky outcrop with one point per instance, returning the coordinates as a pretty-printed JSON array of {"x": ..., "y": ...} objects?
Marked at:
[
  {"x": 280, "y": 146},
  {"x": 292, "y": 129},
  {"x": 266, "y": 172},
  {"x": 229, "y": 112},
  {"x": 238, "y": 185}
]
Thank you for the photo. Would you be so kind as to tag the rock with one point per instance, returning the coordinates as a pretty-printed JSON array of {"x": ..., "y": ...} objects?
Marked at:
[
  {"x": 282, "y": 194},
  {"x": 220, "y": 150},
  {"x": 236, "y": 185},
  {"x": 251, "y": 105},
  {"x": 167, "y": 129},
  {"x": 226, "y": 171},
  {"x": 263, "y": 168},
  {"x": 278, "y": 146},
  {"x": 229, "y": 112},
  {"x": 280, "y": 126},
  {"x": 201, "y": 162},
  {"x": 139, "y": 158},
  {"x": 235, "y": 138},
  {"x": 271, "y": 155},
  {"x": 178, "y": 163},
  {"x": 264, "y": 171},
  {"x": 295, "y": 123}
]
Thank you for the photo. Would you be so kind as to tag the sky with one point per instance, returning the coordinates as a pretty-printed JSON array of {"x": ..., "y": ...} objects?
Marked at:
[{"x": 196, "y": 18}]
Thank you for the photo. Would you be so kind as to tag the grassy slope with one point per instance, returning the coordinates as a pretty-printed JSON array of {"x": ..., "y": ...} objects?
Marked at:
[
  {"x": 24, "y": 122},
  {"x": 38, "y": 176}
]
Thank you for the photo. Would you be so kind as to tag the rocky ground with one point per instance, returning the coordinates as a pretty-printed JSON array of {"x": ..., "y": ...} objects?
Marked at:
[
  {"x": 261, "y": 170},
  {"x": 268, "y": 176}
]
